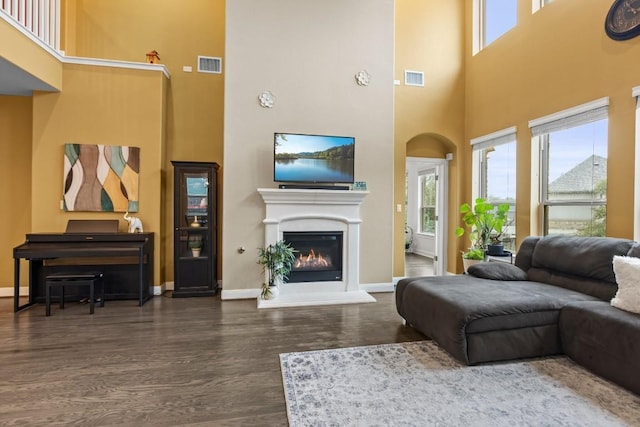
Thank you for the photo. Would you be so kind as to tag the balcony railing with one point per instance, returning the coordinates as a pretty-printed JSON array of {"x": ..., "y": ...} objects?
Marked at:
[{"x": 39, "y": 17}]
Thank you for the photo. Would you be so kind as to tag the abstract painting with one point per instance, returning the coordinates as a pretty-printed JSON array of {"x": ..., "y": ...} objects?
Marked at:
[{"x": 101, "y": 178}]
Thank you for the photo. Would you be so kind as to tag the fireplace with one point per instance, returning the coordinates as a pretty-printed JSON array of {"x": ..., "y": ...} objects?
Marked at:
[
  {"x": 318, "y": 255},
  {"x": 328, "y": 224}
]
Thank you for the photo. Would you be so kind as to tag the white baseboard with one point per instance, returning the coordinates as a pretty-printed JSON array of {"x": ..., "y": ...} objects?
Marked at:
[
  {"x": 230, "y": 294},
  {"x": 160, "y": 289},
  {"x": 8, "y": 291},
  {"x": 378, "y": 287}
]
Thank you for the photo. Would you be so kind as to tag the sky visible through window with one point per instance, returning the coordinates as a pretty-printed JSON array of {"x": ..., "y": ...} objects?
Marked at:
[
  {"x": 499, "y": 17},
  {"x": 569, "y": 148},
  {"x": 501, "y": 172}
]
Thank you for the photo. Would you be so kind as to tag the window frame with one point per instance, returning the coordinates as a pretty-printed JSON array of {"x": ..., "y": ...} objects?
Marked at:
[
  {"x": 540, "y": 129},
  {"x": 479, "y": 22},
  {"x": 479, "y": 175},
  {"x": 421, "y": 178},
  {"x": 536, "y": 5}
]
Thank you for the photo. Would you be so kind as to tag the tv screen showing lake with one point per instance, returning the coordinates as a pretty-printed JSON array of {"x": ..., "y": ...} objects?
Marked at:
[{"x": 313, "y": 170}]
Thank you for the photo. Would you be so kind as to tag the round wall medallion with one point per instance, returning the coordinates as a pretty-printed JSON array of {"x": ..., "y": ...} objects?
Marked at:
[
  {"x": 362, "y": 78},
  {"x": 267, "y": 99}
]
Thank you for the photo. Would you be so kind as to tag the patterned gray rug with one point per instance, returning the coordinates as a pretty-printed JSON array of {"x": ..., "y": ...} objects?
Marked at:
[{"x": 418, "y": 384}]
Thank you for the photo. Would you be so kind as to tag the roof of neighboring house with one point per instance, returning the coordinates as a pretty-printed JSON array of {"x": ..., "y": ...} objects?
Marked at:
[{"x": 582, "y": 178}]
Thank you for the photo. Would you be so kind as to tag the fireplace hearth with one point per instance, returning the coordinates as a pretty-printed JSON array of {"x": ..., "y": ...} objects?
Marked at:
[{"x": 318, "y": 256}]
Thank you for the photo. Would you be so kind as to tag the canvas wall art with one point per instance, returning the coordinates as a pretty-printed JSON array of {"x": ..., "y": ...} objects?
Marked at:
[{"x": 101, "y": 178}]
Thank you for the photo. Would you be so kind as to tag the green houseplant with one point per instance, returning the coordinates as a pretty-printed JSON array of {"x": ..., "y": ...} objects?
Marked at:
[
  {"x": 485, "y": 223},
  {"x": 277, "y": 260}
]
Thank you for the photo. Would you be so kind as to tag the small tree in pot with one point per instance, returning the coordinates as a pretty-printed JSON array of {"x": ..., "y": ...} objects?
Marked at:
[{"x": 277, "y": 260}]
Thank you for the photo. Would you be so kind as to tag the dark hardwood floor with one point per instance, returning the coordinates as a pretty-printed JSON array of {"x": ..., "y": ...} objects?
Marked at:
[
  {"x": 417, "y": 265},
  {"x": 191, "y": 361}
]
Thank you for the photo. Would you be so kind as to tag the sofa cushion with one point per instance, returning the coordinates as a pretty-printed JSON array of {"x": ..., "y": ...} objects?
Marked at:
[
  {"x": 464, "y": 313},
  {"x": 597, "y": 288},
  {"x": 627, "y": 270},
  {"x": 588, "y": 257},
  {"x": 603, "y": 339},
  {"x": 497, "y": 271}
]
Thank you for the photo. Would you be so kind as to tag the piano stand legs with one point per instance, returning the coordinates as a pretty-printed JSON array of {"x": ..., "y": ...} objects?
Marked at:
[{"x": 82, "y": 279}]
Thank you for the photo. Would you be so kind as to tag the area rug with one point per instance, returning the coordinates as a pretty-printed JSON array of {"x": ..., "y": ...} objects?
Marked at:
[{"x": 418, "y": 384}]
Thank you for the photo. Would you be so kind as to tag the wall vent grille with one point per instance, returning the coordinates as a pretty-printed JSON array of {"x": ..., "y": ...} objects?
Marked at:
[
  {"x": 413, "y": 78},
  {"x": 209, "y": 64}
]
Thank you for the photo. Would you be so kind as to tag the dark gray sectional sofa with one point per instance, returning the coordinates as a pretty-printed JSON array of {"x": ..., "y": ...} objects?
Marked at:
[{"x": 554, "y": 300}]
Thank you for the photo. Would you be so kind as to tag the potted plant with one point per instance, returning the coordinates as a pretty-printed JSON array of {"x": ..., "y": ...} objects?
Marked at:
[
  {"x": 483, "y": 221},
  {"x": 277, "y": 260},
  {"x": 195, "y": 243}
]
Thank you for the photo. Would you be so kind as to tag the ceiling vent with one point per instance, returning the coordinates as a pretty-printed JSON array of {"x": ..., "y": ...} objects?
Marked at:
[
  {"x": 413, "y": 78},
  {"x": 209, "y": 64}
]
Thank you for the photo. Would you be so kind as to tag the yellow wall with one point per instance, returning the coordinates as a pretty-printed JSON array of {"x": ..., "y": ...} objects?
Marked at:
[
  {"x": 179, "y": 31},
  {"x": 98, "y": 105},
  {"x": 555, "y": 59},
  {"x": 15, "y": 176},
  {"x": 429, "y": 38}
]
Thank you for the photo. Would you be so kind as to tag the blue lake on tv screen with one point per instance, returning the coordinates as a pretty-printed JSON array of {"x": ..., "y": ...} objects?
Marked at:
[{"x": 314, "y": 170}]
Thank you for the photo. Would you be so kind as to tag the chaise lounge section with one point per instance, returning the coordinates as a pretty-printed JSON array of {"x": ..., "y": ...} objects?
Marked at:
[{"x": 554, "y": 300}]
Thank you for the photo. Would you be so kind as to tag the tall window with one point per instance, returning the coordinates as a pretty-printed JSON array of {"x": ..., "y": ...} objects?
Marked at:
[
  {"x": 495, "y": 175},
  {"x": 493, "y": 18},
  {"x": 573, "y": 162},
  {"x": 428, "y": 201}
]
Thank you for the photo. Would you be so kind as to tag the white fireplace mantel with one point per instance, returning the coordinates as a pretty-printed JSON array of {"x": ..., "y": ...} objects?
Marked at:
[
  {"x": 303, "y": 196},
  {"x": 317, "y": 210}
]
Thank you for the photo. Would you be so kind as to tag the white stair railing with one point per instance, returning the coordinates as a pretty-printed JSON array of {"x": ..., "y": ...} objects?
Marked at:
[{"x": 40, "y": 17}]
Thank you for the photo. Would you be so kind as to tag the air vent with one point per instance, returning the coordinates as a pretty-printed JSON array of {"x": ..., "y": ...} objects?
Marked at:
[
  {"x": 413, "y": 78},
  {"x": 209, "y": 64}
]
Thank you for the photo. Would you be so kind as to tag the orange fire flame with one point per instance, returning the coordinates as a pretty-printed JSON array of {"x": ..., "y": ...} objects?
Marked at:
[{"x": 311, "y": 260}]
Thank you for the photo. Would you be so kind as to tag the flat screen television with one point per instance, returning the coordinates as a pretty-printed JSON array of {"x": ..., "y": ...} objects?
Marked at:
[{"x": 313, "y": 159}]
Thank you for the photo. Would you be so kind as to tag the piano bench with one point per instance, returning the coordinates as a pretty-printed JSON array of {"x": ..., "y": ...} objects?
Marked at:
[{"x": 74, "y": 279}]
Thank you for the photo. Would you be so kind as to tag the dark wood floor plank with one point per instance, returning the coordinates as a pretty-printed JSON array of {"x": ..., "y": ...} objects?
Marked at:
[{"x": 191, "y": 361}]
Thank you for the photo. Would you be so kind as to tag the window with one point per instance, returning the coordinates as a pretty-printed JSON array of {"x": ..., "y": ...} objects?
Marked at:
[
  {"x": 492, "y": 19},
  {"x": 573, "y": 159},
  {"x": 494, "y": 166},
  {"x": 428, "y": 180}
]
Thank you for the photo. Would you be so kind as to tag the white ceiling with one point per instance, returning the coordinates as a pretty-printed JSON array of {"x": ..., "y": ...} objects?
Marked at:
[{"x": 16, "y": 81}]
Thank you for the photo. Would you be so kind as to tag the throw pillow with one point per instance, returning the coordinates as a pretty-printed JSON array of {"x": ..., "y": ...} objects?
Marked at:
[
  {"x": 627, "y": 271},
  {"x": 497, "y": 271}
]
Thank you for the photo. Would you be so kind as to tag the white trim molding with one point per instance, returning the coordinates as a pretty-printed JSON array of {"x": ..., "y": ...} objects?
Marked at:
[
  {"x": 573, "y": 111},
  {"x": 635, "y": 92},
  {"x": 116, "y": 64}
]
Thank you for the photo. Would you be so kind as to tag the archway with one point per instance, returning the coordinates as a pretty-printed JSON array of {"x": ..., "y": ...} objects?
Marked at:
[{"x": 427, "y": 176}]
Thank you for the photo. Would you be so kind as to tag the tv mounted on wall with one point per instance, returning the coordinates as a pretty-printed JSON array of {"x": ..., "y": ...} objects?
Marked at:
[{"x": 313, "y": 159}]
